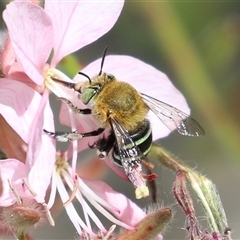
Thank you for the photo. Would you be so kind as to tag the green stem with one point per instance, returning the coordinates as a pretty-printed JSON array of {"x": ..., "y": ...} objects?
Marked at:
[{"x": 203, "y": 187}]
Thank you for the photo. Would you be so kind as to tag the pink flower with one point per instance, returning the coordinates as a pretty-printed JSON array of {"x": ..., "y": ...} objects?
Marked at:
[
  {"x": 62, "y": 26},
  {"x": 33, "y": 33},
  {"x": 26, "y": 178},
  {"x": 98, "y": 194},
  {"x": 18, "y": 106}
]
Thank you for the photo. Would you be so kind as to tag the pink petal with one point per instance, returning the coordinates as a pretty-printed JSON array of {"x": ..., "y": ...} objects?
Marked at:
[
  {"x": 130, "y": 213},
  {"x": 10, "y": 169},
  {"x": 41, "y": 150},
  {"x": 30, "y": 30},
  {"x": 78, "y": 23},
  {"x": 91, "y": 168},
  {"x": 12, "y": 69},
  {"x": 28, "y": 113},
  {"x": 119, "y": 171},
  {"x": 35, "y": 132},
  {"x": 17, "y": 73},
  {"x": 41, "y": 169},
  {"x": 7, "y": 56},
  {"x": 145, "y": 79},
  {"x": 18, "y": 105}
]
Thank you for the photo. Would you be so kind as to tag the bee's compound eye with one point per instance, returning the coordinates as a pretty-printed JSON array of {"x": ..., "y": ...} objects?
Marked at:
[
  {"x": 110, "y": 76},
  {"x": 88, "y": 94}
]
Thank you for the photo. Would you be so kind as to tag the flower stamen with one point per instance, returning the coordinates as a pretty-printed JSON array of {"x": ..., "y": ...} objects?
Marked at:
[
  {"x": 80, "y": 190},
  {"x": 76, "y": 185},
  {"x": 18, "y": 197},
  {"x": 53, "y": 73},
  {"x": 48, "y": 214},
  {"x": 108, "y": 235},
  {"x": 25, "y": 183}
]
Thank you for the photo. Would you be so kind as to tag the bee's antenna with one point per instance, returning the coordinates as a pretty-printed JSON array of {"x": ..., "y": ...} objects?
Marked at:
[
  {"x": 103, "y": 58},
  {"x": 85, "y": 75}
]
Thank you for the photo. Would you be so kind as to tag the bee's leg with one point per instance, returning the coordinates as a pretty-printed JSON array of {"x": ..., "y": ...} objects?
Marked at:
[
  {"x": 75, "y": 109},
  {"x": 73, "y": 136},
  {"x": 104, "y": 145}
]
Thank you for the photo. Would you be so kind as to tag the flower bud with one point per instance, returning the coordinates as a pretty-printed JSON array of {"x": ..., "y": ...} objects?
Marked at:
[
  {"x": 20, "y": 217},
  {"x": 150, "y": 227}
]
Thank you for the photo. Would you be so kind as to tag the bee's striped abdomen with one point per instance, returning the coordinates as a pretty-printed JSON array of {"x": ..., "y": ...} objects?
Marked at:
[{"x": 142, "y": 138}]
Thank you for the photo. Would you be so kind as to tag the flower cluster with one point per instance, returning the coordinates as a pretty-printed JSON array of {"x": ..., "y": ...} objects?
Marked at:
[{"x": 32, "y": 164}]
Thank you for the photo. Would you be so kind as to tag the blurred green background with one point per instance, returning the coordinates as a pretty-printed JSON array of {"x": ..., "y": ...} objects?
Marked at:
[{"x": 197, "y": 44}]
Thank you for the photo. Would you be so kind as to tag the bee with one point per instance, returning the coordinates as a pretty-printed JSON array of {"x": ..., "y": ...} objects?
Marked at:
[{"x": 120, "y": 108}]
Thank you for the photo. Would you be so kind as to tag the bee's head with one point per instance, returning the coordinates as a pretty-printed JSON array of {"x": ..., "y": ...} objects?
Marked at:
[{"x": 94, "y": 86}]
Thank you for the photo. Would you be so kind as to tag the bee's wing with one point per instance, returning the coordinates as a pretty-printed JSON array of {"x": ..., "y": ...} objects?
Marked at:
[
  {"x": 130, "y": 154},
  {"x": 128, "y": 150},
  {"x": 173, "y": 118}
]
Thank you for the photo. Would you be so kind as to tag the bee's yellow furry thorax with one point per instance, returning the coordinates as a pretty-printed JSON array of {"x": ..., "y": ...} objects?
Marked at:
[{"x": 123, "y": 102}]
